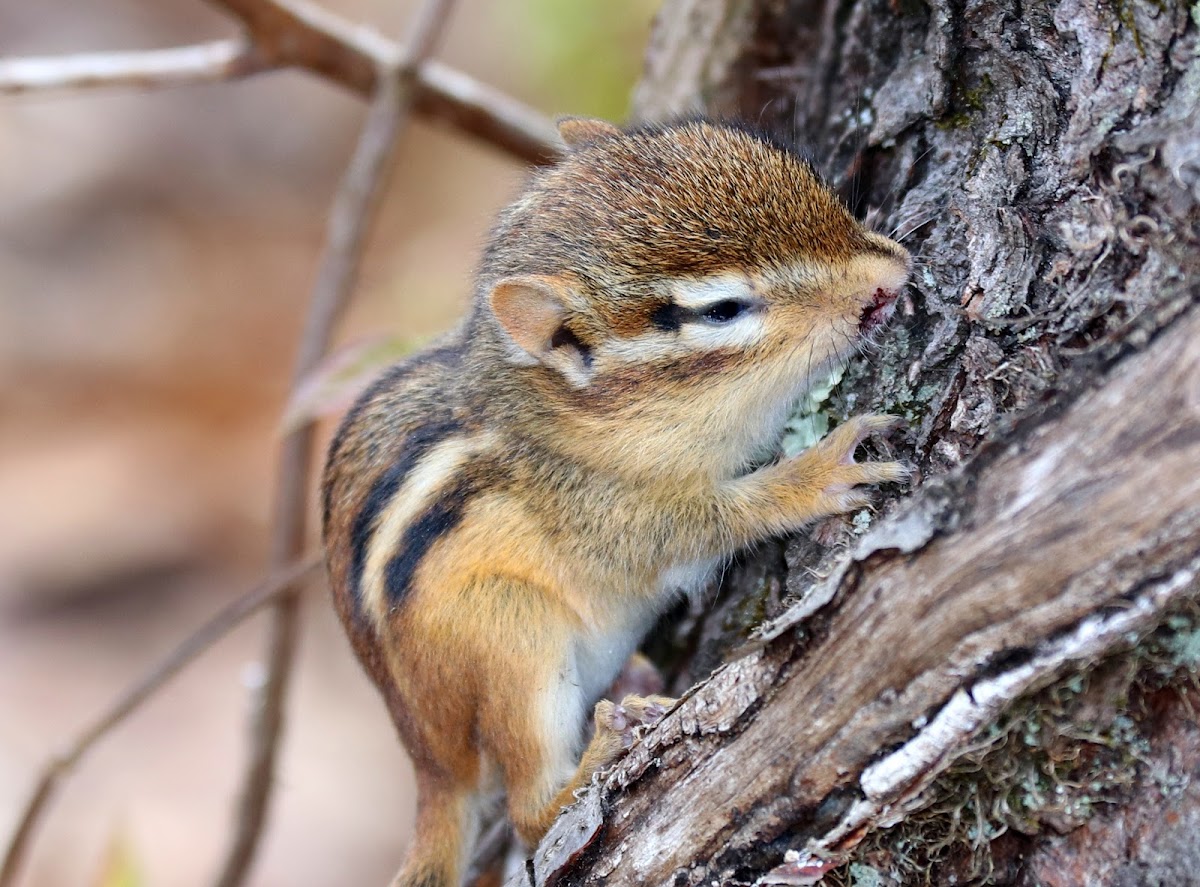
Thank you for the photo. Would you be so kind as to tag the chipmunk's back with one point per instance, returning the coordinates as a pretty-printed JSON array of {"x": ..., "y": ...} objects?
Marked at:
[{"x": 413, "y": 409}]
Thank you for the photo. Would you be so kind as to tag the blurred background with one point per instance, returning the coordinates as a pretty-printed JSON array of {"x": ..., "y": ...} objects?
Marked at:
[{"x": 156, "y": 254}]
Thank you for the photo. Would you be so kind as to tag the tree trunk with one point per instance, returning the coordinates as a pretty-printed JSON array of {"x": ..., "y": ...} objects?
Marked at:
[{"x": 996, "y": 680}]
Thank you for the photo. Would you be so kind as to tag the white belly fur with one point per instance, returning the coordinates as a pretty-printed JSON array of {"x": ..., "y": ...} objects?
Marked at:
[{"x": 599, "y": 656}]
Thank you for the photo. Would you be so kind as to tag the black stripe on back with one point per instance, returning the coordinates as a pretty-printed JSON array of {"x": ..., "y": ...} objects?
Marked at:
[
  {"x": 390, "y": 378},
  {"x": 438, "y": 519},
  {"x": 419, "y": 443}
]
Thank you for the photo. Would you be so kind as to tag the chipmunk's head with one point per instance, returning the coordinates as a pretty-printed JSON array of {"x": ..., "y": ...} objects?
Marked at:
[{"x": 690, "y": 267}]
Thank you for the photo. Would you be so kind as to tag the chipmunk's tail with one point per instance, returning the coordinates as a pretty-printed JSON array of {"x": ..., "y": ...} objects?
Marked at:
[{"x": 445, "y": 833}]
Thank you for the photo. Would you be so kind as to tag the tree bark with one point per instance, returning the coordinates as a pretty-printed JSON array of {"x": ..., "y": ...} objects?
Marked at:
[{"x": 1001, "y": 672}]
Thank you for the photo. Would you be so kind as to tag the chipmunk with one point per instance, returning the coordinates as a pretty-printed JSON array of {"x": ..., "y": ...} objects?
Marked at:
[{"x": 506, "y": 513}]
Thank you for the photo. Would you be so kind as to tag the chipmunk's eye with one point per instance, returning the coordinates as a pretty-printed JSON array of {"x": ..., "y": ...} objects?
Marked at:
[{"x": 725, "y": 310}]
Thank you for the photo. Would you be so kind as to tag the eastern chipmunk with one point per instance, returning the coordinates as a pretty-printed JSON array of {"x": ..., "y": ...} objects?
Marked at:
[{"x": 507, "y": 512}]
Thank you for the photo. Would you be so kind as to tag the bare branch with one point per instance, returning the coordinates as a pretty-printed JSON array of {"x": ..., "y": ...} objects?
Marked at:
[
  {"x": 287, "y": 33},
  {"x": 61, "y": 765},
  {"x": 184, "y": 65},
  {"x": 473, "y": 107},
  {"x": 352, "y": 213},
  {"x": 893, "y": 786},
  {"x": 297, "y": 33},
  {"x": 301, "y": 34}
]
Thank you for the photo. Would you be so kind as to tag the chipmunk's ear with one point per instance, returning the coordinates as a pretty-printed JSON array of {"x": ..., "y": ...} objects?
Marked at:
[
  {"x": 534, "y": 310},
  {"x": 578, "y": 132}
]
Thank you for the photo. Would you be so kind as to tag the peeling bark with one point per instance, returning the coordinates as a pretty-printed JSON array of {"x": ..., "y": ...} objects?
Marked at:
[{"x": 1042, "y": 161}]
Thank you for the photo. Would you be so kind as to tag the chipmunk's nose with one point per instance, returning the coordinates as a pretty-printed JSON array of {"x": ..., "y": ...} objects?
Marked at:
[{"x": 877, "y": 278}]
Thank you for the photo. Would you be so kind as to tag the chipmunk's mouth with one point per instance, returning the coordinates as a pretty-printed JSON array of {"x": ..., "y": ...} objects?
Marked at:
[{"x": 877, "y": 311}]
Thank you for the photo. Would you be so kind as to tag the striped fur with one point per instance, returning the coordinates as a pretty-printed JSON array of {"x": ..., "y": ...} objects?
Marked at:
[
  {"x": 384, "y": 492},
  {"x": 414, "y": 504}
]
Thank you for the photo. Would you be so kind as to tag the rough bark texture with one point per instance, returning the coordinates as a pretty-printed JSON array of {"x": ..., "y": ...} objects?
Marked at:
[
  {"x": 1042, "y": 160},
  {"x": 1153, "y": 838}
]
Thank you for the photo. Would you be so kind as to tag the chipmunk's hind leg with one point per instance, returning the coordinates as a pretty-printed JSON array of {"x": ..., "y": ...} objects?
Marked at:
[
  {"x": 447, "y": 821},
  {"x": 434, "y": 717},
  {"x": 542, "y": 777},
  {"x": 538, "y": 752},
  {"x": 533, "y": 707}
]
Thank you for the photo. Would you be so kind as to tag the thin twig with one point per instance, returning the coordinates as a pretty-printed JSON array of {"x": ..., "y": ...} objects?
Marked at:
[
  {"x": 350, "y": 218},
  {"x": 471, "y": 106},
  {"x": 301, "y": 34},
  {"x": 180, "y": 66},
  {"x": 60, "y": 766},
  {"x": 285, "y": 34}
]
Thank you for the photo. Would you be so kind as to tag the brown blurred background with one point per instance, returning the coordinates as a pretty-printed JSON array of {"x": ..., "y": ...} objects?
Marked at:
[{"x": 156, "y": 253}]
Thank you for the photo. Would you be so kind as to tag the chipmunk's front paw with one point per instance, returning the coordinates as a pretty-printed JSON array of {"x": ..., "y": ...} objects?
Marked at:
[{"x": 830, "y": 465}]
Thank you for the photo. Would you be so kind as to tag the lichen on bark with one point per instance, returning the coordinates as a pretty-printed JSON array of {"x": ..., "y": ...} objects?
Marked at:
[{"x": 1098, "y": 749}]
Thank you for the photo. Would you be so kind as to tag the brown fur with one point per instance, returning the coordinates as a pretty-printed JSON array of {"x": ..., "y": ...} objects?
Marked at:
[{"x": 544, "y": 467}]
